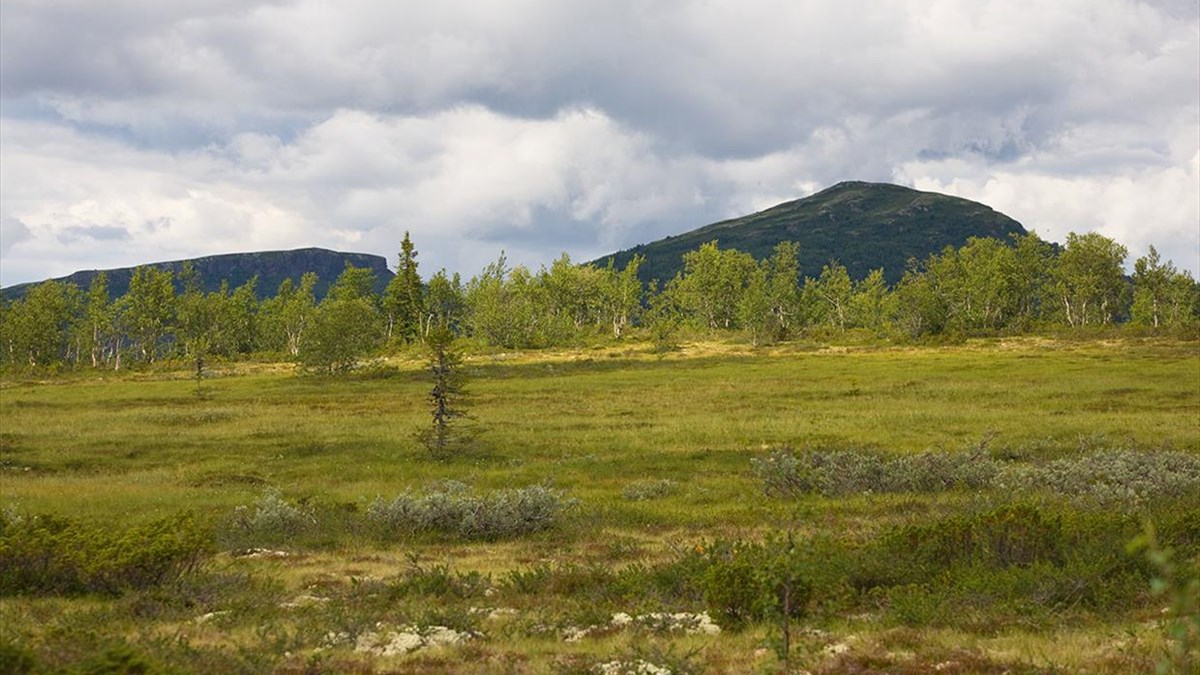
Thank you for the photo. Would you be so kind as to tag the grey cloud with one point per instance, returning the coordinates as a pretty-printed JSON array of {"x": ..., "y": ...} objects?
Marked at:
[
  {"x": 12, "y": 232},
  {"x": 97, "y": 233},
  {"x": 724, "y": 80}
]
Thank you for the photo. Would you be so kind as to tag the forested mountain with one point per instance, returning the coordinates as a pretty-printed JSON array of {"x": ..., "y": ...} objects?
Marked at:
[
  {"x": 864, "y": 226},
  {"x": 271, "y": 268}
]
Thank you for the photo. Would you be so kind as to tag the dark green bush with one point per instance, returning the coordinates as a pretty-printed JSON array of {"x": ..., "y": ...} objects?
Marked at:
[
  {"x": 52, "y": 555},
  {"x": 746, "y": 582},
  {"x": 17, "y": 659},
  {"x": 1003, "y": 537},
  {"x": 441, "y": 582}
]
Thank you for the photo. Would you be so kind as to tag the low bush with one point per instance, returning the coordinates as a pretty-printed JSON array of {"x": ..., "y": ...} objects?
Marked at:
[
  {"x": 452, "y": 508},
  {"x": 271, "y": 520},
  {"x": 832, "y": 473},
  {"x": 646, "y": 489},
  {"x": 441, "y": 582},
  {"x": 53, "y": 555},
  {"x": 1111, "y": 477},
  {"x": 1104, "y": 477}
]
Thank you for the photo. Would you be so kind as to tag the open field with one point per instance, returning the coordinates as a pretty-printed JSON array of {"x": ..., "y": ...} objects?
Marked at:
[{"x": 652, "y": 460}]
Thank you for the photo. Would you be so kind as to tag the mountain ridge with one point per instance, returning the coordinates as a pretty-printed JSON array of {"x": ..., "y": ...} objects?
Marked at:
[
  {"x": 271, "y": 267},
  {"x": 860, "y": 224}
]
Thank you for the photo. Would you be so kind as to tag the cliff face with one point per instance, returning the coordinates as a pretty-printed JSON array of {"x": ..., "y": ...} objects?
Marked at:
[
  {"x": 271, "y": 267},
  {"x": 861, "y": 225}
]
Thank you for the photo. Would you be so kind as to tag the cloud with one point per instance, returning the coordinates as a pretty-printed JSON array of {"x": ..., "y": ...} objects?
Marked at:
[
  {"x": 539, "y": 126},
  {"x": 12, "y": 232}
]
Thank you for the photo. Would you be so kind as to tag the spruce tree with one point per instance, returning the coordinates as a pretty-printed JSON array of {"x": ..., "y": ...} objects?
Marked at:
[
  {"x": 447, "y": 431},
  {"x": 403, "y": 296}
]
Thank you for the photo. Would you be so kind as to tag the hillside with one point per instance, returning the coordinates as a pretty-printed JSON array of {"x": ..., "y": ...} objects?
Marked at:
[
  {"x": 862, "y": 225},
  {"x": 272, "y": 267}
]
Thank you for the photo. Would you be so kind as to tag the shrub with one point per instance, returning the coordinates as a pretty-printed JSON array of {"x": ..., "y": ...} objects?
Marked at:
[
  {"x": 746, "y": 581},
  {"x": 452, "y": 509},
  {"x": 643, "y": 490},
  {"x": 840, "y": 472},
  {"x": 1111, "y": 477},
  {"x": 1103, "y": 478},
  {"x": 50, "y": 555},
  {"x": 1002, "y": 537},
  {"x": 830, "y": 473},
  {"x": 442, "y": 582},
  {"x": 272, "y": 519}
]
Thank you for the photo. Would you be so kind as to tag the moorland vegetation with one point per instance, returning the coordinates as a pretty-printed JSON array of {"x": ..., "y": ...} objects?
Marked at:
[{"x": 991, "y": 466}]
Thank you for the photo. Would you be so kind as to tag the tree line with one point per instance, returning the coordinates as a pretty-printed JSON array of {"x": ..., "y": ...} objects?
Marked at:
[{"x": 986, "y": 286}]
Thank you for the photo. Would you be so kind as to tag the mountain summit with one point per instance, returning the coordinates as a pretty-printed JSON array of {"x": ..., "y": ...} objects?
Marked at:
[{"x": 861, "y": 225}]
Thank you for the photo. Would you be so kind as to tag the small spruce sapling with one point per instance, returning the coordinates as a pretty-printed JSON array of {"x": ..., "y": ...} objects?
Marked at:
[{"x": 448, "y": 429}]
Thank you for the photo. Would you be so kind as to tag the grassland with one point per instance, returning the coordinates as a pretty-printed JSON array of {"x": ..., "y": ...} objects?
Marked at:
[{"x": 655, "y": 454}]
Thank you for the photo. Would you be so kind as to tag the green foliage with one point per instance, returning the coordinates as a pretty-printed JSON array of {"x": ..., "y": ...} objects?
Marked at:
[
  {"x": 147, "y": 311},
  {"x": 51, "y": 555},
  {"x": 340, "y": 333},
  {"x": 712, "y": 283},
  {"x": 354, "y": 283},
  {"x": 1162, "y": 295},
  {"x": 445, "y": 302},
  {"x": 1090, "y": 280},
  {"x": 16, "y": 659},
  {"x": 827, "y": 299},
  {"x": 621, "y": 294},
  {"x": 453, "y": 509},
  {"x": 37, "y": 330},
  {"x": 403, "y": 300},
  {"x": 748, "y": 582},
  {"x": 501, "y": 305},
  {"x": 118, "y": 659},
  {"x": 1011, "y": 535},
  {"x": 1177, "y": 582},
  {"x": 440, "y": 581},
  {"x": 287, "y": 316}
]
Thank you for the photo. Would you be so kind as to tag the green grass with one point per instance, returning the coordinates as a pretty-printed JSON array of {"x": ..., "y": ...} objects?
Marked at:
[{"x": 120, "y": 451}]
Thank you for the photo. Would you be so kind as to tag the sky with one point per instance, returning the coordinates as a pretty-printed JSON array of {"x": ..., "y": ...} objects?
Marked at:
[{"x": 135, "y": 131}]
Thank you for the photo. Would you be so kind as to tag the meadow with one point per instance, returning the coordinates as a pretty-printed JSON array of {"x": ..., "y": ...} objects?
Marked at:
[{"x": 963, "y": 508}]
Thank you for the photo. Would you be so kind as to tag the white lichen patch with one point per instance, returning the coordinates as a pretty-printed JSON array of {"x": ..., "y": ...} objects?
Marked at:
[
  {"x": 408, "y": 639},
  {"x": 259, "y": 553},
  {"x": 205, "y": 618},
  {"x": 659, "y": 622},
  {"x": 638, "y": 667},
  {"x": 575, "y": 633},
  {"x": 692, "y": 624},
  {"x": 303, "y": 600}
]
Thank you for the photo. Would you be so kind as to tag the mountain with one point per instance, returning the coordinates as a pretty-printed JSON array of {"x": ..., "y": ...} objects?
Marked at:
[
  {"x": 861, "y": 225},
  {"x": 272, "y": 267}
]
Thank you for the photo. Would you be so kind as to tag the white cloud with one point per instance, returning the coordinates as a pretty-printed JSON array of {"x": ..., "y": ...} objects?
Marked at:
[{"x": 539, "y": 126}]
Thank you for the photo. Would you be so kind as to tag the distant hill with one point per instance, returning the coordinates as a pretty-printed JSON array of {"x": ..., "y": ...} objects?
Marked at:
[
  {"x": 272, "y": 267},
  {"x": 862, "y": 225}
]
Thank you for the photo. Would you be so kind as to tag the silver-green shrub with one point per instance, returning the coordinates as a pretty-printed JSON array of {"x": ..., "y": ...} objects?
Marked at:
[
  {"x": 451, "y": 508},
  {"x": 825, "y": 472},
  {"x": 1104, "y": 477},
  {"x": 646, "y": 489},
  {"x": 1110, "y": 476},
  {"x": 272, "y": 517}
]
